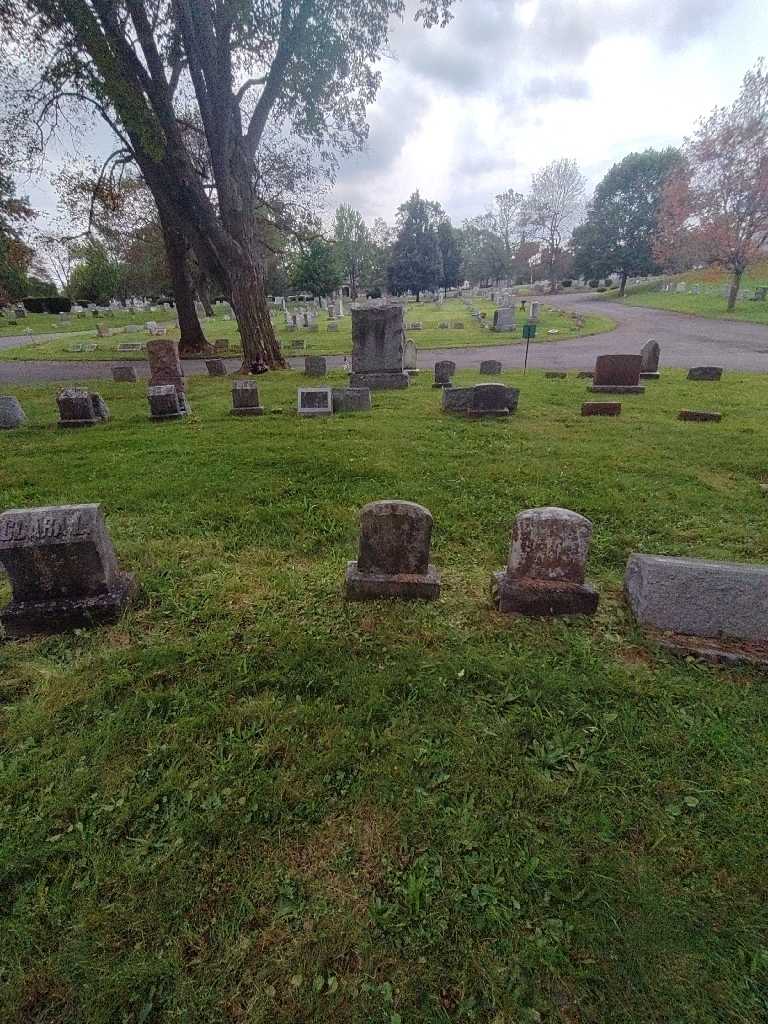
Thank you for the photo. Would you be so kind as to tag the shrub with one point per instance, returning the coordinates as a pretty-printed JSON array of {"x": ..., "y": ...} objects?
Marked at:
[
  {"x": 593, "y": 282},
  {"x": 566, "y": 284},
  {"x": 35, "y": 304},
  {"x": 59, "y": 304}
]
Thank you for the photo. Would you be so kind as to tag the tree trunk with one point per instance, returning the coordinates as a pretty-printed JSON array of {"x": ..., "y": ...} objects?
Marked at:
[
  {"x": 733, "y": 293},
  {"x": 192, "y": 338},
  {"x": 203, "y": 287},
  {"x": 623, "y": 285},
  {"x": 249, "y": 303}
]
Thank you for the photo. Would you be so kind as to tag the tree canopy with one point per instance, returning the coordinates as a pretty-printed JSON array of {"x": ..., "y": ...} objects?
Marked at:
[{"x": 416, "y": 262}]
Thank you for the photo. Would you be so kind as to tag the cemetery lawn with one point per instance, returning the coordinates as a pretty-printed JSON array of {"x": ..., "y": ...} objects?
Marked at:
[
  {"x": 248, "y": 801},
  {"x": 710, "y": 303},
  {"x": 566, "y": 324},
  {"x": 45, "y": 323}
]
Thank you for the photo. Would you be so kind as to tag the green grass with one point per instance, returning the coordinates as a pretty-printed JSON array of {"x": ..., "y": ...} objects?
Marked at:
[
  {"x": 567, "y": 325},
  {"x": 45, "y": 323},
  {"x": 250, "y": 801},
  {"x": 710, "y": 303}
]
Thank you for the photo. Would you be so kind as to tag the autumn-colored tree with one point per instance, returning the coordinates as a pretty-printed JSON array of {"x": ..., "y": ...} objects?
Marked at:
[{"x": 718, "y": 204}]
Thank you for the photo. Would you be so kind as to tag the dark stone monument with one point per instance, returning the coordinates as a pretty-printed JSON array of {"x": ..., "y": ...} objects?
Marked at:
[
  {"x": 650, "y": 354},
  {"x": 489, "y": 400},
  {"x": 492, "y": 367},
  {"x": 393, "y": 557},
  {"x": 63, "y": 570},
  {"x": 80, "y": 408},
  {"x": 457, "y": 399},
  {"x": 315, "y": 402},
  {"x": 705, "y": 373},
  {"x": 164, "y": 364},
  {"x": 546, "y": 567},
  {"x": 315, "y": 366},
  {"x": 215, "y": 367},
  {"x": 11, "y": 413},
  {"x": 377, "y": 348},
  {"x": 165, "y": 402},
  {"x": 245, "y": 399},
  {"x": 123, "y": 373},
  {"x": 444, "y": 370},
  {"x": 618, "y": 375},
  {"x": 695, "y": 416},
  {"x": 351, "y": 399},
  {"x": 601, "y": 409}
]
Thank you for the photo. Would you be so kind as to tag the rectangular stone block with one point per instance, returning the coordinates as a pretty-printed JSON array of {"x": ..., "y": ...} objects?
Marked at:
[
  {"x": 705, "y": 373},
  {"x": 542, "y": 598},
  {"x": 351, "y": 399},
  {"x": 601, "y": 409},
  {"x": 381, "y": 381},
  {"x": 368, "y": 586},
  {"x": 124, "y": 374},
  {"x": 76, "y": 408},
  {"x": 164, "y": 364},
  {"x": 457, "y": 399},
  {"x": 618, "y": 370},
  {"x": 215, "y": 367},
  {"x": 490, "y": 367},
  {"x": 699, "y": 597},
  {"x": 616, "y": 389},
  {"x": 315, "y": 366},
  {"x": 245, "y": 399},
  {"x": 489, "y": 400},
  {"x": 378, "y": 339},
  {"x": 696, "y": 416},
  {"x": 314, "y": 402},
  {"x": 165, "y": 402}
]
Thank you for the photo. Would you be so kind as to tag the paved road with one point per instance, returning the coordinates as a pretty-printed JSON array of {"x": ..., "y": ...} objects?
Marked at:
[{"x": 685, "y": 341}]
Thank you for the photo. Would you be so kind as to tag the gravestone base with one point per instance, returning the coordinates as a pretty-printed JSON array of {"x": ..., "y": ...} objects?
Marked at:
[
  {"x": 26, "y": 618},
  {"x": 380, "y": 381},
  {"x": 364, "y": 586},
  {"x": 539, "y": 598},
  {"x": 649, "y": 375},
  {"x": 442, "y": 384},
  {"x": 79, "y": 423},
  {"x": 601, "y": 409},
  {"x": 481, "y": 413},
  {"x": 184, "y": 409},
  {"x": 250, "y": 410},
  {"x": 617, "y": 389}
]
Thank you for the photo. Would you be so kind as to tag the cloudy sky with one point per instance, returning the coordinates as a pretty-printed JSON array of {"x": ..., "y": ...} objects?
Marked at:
[{"x": 467, "y": 111}]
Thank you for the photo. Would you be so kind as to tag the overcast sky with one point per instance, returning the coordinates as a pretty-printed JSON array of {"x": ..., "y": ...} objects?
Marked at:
[{"x": 467, "y": 111}]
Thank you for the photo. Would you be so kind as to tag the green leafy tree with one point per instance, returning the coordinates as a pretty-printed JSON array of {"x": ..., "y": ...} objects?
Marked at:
[
  {"x": 353, "y": 246},
  {"x": 622, "y": 218},
  {"x": 15, "y": 254},
  {"x": 96, "y": 277},
  {"x": 483, "y": 248},
  {"x": 317, "y": 269},
  {"x": 416, "y": 263},
  {"x": 382, "y": 240},
  {"x": 449, "y": 242}
]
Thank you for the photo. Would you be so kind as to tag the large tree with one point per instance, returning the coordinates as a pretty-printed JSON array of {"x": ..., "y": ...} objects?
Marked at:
[
  {"x": 15, "y": 254},
  {"x": 719, "y": 197},
  {"x": 353, "y": 245},
  {"x": 416, "y": 263},
  {"x": 258, "y": 72},
  {"x": 553, "y": 207},
  {"x": 317, "y": 269},
  {"x": 449, "y": 243},
  {"x": 622, "y": 218},
  {"x": 485, "y": 258}
]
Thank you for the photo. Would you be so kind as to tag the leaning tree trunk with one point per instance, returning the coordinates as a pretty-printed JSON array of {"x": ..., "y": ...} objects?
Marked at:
[
  {"x": 249, "y": 303},
  {"x": 623, "y": 285},
  {"x": 192, "y": 338},
  {"x": 733, "y": 292}
]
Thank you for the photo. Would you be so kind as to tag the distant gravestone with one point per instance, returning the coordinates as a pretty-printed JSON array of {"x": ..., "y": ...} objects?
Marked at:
[
  {"x": 444, "y": 370},
  {"x": 457, "y": 325},
  {"x": 705, "y": 373},
  {"x": 699, "y": 416},
  {"x": 102, "y": 331},
  {"x": 165, "y": 365},
  {"x": 601, "y": 409},
  {"x": 443, "y": 325},
  {"x": 215, "y": 367},
  {"x": 314, "y": 402},
  {"x": 393, "y": 555},
  {"x": 165, "y": 403},
  {"x": 351, "y": 399},
  {"x": 220, "y": 346},
  {"x": 245, "y": 399},
  {"x": 315, "y": 366},
  {"x": 547, "y": 565},
  {"x": 378, "y": 348},
  {"x": 80, "y": 408},
  {"x": 63, "y": 570},
  {"x": 129, "y": 346},
  {"x": 491, "y": 367},
  {"x": 332, "y": 326},
  {"x": 504, "y": 319},
  {"x": 410, "y": 355},
  {"x": 489, "y": 400},
  {"x": 533, "y": 311},
  {"x": 617, "y": 374},
  {"x": 650, "y": 354},
  {"x": 124, "y": 373},
  {"x": 11, "y": 413}
]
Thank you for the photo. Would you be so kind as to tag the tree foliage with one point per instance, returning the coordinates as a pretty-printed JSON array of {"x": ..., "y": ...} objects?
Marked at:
[
  {"x": 317, "y": 269},
  {"x": 416, "y": 262},
  {"x": 15, "y": 255},
  {"x": 353, "y": 246},
  {"x": 553, "y": 207}
]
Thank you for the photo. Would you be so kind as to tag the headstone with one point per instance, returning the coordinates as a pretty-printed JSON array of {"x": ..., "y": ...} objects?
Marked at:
[
  {"x": 129, "y": 346},
  {"x": 215, "y": 367},
  {"x": 332, "y": 326},
  {"x": 245, "y": 399},
  {"x": 491, "y": 367},
  {"x": 444, "y": 370},
  {"x": 649, "y": 357},
  {"x": 165, "y": 402},
  {"x": 617, "y": 374},
  {"x": 351, "y": 399},
  {"x": 220, "y": 346},
  {"x": 410, "y": 355},
  {"x": 504, "y": 319},
  {"x": 393, "y": 556},
  {"x": 489, "y": 400},
  {"x": 11, "y": 413},
  {"x": 546, "y": 567},
  {"x": 124, "y": 373},
  {"x": 443, "y": 325},
  {"x": 705, "y": 373},
  {"x": 315, "y": 366},
  {"x": 699, "y": 597},
  {"x": 315, "y": 402},
  {"x": 165, "y": 365},
  {"x": 601, "y": 409},
  {"x": 533, "y": 311},
  {"x": 415, "y": 326},
  {"x": 80, "y": 408},
  {"x": 377, "y": 348},
  {"x": 696, "y": 416},
  {"x": 760, "y": 294},
  {"x": 63, "y": 570}
]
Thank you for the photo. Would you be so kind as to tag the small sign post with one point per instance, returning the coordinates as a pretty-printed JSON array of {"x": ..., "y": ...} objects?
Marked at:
[{"x": 529, "y": 331}]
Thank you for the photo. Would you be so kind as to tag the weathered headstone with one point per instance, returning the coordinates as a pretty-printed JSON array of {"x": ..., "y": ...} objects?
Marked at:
[
  {"x": 489, "y": 400},
  {"x": 393, "y": 556},
  {"x": 315, "y": 366},
  {"x": 504, "y": 319},
  {"x": 124, "y": 373},
  {"x": 649, "y": 359},
  {"x": 165, "y": 365},
  {"x": 444, "y": 370},
  {"x": 314, "y": 402},
  {"x": 533, "y": 311},
  {"x": 165, "y": 402},
  {"x": 705, "y": 373},
  {"x": 63, "y": 570},
  {"x": 458, "y": 399},
  {"x": 332, "y": 326},
  {"x": 80, "y": 408},
  {"x": 601, "y": 409},
  {"x": 547, "y": 564},
  {"x": 492, "y": 367},
  {"x": 245, "y": 399},
  {"x": 215, "y": 367},
  {"x": 410, "y": 355},
  {"x": 443, "y": 325},
  {"x": 699, "y": 597},
  {"x": 377, "y": 348},
  {"x": 617, "y": 374},
  {"x": 699, "y": 416},
  {"x": 351, "y": 399},
  {"x": 11, "y": 413}
]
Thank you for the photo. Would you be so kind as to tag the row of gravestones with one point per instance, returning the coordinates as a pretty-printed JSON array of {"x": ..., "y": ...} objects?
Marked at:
[{"x": 64, "y": 574}]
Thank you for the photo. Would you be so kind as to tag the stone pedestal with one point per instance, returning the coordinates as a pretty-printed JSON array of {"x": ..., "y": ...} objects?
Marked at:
[
  {"x": 378, "y": 348},
  {"x": 245, "y": 399},
  {"x": 351, "y": 399},
  {"x": 393, "y": 557},
  {"x": 80, "y": 408},
  {"x": 379, "y": 381},
  {"x": 165, "y": 365},
  {"x": 546, "y": 566},
  {"x": 444, "y": 371},
  {"x": 63, "y": 570},
  {"x": 705, "y": 373},
  {"x": 617, "y": 389},
  {"x": 165, "y": 403}
]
